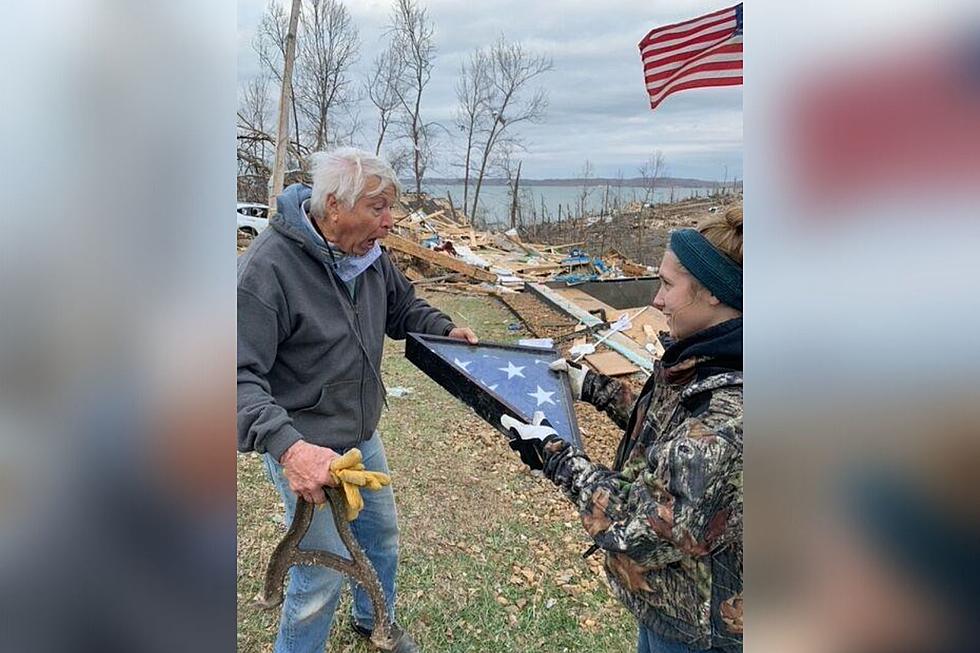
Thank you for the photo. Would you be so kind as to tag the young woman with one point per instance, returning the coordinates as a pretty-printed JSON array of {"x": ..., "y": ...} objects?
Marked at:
[{"x": 668, "y": 515}]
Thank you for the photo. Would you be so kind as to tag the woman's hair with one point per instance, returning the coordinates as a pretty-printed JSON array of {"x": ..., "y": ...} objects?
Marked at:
[
  {"x": 343, "y": 172},
  {"x": 724, "y": 231}
]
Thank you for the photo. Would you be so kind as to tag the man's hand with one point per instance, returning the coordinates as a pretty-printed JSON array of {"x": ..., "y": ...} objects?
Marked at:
[
  {"x": 464, "y": 333},
  {"x": 576, "y": 375},
  {"x": 529, "y": 440},
  {"x": 307, "y": 468}
]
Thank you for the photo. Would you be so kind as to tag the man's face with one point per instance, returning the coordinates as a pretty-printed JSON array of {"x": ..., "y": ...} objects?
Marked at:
[
  {"x": 356, "y": 229},
  {"x": 687, "y": 307}
]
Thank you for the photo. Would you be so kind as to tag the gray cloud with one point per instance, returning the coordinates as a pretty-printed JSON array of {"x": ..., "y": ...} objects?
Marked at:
[{"x": 598, "y": 107}]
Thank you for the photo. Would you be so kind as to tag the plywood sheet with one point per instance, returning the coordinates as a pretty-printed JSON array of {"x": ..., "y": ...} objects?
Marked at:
[{"x": 611, "y": 363}]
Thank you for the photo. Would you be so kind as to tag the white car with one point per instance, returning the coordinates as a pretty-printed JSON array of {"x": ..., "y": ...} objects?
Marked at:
[{"x": 252, "y": 218}]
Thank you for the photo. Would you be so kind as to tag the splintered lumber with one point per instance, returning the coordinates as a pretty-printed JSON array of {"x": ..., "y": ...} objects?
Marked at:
[
  {"x": 414, "y": 250},
  {"x": 527, "y": 248},
  {"x": 412, "y": 274},
  {"x": 554, "y": 248},
  {"x": 634, "y": 269},
  {"x": 531, "y": 268},
  {"x": 611, "y": 363},
  {"x": 629, "y": 268}
]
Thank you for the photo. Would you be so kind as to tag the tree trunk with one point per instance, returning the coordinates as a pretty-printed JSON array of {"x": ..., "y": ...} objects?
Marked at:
[
  {"x": 483, "y": 166},
  {"x": 381, "y": 137},
  {"x": 416, "y": 137},
  {"x": 513, "y": 204},
  {"x": 466, "y": 167}
]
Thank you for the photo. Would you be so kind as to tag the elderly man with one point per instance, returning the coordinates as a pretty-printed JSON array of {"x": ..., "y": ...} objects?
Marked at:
[{"x": 316, "y": 296}]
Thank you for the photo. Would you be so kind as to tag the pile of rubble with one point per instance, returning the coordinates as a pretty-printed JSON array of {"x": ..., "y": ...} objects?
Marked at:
[{"x": 433, "y": 238}]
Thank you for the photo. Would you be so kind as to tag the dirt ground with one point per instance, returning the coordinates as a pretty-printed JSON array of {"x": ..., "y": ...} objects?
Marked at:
[{"x": 490, "y": 552}]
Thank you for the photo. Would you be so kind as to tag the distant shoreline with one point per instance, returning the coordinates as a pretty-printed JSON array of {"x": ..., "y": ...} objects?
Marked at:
[{"x": 635, "y": 182}]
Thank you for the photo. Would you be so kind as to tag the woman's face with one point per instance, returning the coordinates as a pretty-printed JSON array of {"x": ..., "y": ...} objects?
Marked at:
[{"x": 689, "y": 308}]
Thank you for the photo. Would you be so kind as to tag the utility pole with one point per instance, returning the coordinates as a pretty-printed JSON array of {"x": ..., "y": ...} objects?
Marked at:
[{"x": 282, "y": 136}]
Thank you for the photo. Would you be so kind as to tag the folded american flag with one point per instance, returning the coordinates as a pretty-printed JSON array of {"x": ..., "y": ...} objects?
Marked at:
[{"x": 696, "y": 53}]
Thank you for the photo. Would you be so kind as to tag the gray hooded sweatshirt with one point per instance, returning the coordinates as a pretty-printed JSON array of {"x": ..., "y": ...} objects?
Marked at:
[{"x": 309, "y": 356}]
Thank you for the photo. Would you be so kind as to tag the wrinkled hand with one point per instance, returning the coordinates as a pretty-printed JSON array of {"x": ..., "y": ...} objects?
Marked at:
[
  {"x": 529, "y": 440},
  {"x": 307, "y": 468},
  {"x": 349, "y": 472},
  {"x": 464, "y": 333},
  {"x": 576, "y": 375}
]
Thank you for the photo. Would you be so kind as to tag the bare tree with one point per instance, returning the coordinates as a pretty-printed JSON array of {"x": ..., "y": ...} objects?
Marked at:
[
  {"x": 473, "y": 113},
  {"x": 256, "y": 137},
  {"x": 328, "y": 47},
  {"x": 651, "y": 171},
  {"x": 510, "y": 168},
  {"x": 586, "y": 175},
  {"x": 412, "y": 32},
  {"x": 400, "y": 158},
  {"x": 512, "y": 69},
  {"x": 254, "y": 140},
  {"x": 384, "y": 87}
]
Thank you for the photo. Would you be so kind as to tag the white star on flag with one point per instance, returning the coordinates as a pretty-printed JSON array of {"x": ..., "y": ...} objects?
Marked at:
[
  {"x": 542, "y": 396},
  {"x": 461, "y": 363},
  {"x": 512, "y": 370}
]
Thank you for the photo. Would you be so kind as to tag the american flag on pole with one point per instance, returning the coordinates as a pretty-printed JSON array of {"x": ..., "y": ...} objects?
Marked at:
[{"x": 696, "y": 53}]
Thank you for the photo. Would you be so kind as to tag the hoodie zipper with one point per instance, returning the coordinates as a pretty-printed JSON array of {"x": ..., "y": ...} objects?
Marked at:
[
  {"x": 332, "y": 272},
  {"x": 357, "y": 326}
]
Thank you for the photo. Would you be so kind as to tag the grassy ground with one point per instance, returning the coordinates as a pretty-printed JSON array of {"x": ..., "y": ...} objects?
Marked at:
[{"x": 490, "y": 553}]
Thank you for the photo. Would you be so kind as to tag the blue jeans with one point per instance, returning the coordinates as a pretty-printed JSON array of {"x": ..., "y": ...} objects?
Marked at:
[
  {"x": 650, "y": 642},
  {"x": 312, "y": 592}
]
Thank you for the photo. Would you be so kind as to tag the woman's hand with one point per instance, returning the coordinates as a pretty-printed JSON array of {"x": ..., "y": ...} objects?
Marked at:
[
  {"x": 576, "y": 375},
  {"x": 529, "y": 440}
]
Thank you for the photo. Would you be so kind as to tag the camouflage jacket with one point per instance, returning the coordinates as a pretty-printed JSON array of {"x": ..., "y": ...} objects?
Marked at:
[{"x": 669, "y": 515}]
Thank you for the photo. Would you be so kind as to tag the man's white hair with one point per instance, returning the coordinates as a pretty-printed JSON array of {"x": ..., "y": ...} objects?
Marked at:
[{"x": 343, "y": 172}]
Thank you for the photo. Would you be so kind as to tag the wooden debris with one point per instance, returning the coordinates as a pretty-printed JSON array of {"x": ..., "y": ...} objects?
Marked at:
[
  {"x": 412, "y": 274},
  {"x": 406, "y": 246},
  {"x": 611, "y": 363}
]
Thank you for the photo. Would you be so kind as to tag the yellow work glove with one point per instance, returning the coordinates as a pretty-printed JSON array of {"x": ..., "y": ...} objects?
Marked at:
[{"x": 349, "y": 472}]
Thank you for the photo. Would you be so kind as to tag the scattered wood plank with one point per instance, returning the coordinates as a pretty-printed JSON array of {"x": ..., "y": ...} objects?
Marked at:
[
  {"x": 414, "y": 250},
  {"x": 634, "y": 269},
  {"x": 527, "y": 248},
  {"x": 412, "y": 274},
  {"x": 611, "y": 363},
  {"x": 549, "y": 267}
]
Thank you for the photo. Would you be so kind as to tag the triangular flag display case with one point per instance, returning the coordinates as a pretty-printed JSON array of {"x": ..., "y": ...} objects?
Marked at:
[{"x": 494, "y": 379}]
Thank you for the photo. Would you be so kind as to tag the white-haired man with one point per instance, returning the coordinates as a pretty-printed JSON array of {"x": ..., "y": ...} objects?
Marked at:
[{"x": 316, "y": 296}]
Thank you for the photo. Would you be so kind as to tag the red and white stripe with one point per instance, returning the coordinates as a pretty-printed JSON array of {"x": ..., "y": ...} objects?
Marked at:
[{"x": 696, "y": 53}]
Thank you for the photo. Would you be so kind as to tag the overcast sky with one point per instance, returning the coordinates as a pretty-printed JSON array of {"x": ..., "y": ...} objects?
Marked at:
[{"x": 598, "y": 108}]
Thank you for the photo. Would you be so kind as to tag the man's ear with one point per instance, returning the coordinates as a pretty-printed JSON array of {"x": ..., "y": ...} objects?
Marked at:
[
  {"x": 712, "y": 300},
  {"x": 331, "y": 205}
]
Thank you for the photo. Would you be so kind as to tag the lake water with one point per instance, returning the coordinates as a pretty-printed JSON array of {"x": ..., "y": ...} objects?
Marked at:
[{"x": 495, "y": 201}]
